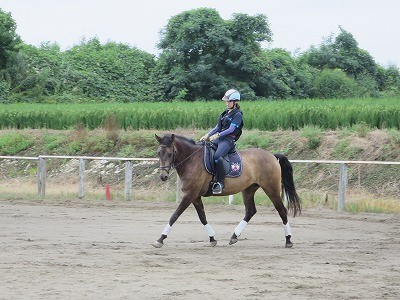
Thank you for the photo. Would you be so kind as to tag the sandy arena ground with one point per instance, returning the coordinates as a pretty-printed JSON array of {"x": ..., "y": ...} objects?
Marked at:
[{"x": 102, "y": 250}]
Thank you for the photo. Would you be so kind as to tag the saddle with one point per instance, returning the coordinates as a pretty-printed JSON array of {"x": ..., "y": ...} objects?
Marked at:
[
  {"x": 232, "y": 161},
  {"x": 232, "y": 164}
]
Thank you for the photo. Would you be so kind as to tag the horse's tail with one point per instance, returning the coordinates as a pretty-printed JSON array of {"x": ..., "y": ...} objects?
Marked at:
[{"x": 294, "y": 202}]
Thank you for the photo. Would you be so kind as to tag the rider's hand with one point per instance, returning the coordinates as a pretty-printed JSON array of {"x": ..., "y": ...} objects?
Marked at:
[
  {"x": 204, "y": 138},
  {"x": 214, "y": 137}
]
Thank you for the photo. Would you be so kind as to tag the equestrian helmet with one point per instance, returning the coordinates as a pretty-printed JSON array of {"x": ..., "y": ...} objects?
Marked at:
[{"x": 231, "y": 95}]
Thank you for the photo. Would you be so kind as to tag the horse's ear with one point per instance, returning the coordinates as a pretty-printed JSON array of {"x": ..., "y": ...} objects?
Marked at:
[
  {"x": 172, "y": 137},
  {"x": 158, "y": 138}
]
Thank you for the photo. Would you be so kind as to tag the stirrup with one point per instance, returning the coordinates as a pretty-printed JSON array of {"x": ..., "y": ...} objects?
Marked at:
[{"x": 217, "y": 188}]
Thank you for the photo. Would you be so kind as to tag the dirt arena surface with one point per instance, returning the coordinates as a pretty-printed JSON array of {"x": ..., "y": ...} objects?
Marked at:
[{"x": 102, "y": 250}]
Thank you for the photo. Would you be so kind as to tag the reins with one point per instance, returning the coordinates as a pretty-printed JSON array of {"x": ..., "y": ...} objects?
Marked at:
[{"x": 175, "y": 165}]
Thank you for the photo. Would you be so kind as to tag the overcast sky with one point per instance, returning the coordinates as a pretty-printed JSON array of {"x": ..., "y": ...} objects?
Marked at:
[{"x": 295, "y": 24}]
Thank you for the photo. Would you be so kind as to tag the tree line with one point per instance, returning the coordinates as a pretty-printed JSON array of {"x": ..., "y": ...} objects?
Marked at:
[{"x": 201, "y": 56}]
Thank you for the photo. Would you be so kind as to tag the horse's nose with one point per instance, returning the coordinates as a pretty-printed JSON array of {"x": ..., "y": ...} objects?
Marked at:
[{"x": 163, "y": 177}]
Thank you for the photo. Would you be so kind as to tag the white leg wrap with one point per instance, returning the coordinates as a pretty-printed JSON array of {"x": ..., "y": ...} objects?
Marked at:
[
  {"x": 166, "y": 230},
  {"x": 210, "y": 231},
  {"x": 287, "y": 229},
  {"x": 240, "y": 228}
]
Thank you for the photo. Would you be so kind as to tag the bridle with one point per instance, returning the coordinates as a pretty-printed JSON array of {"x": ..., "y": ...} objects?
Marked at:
[
  {"x": 171, "y": 165},
  {"x": 174, "y": 165}
]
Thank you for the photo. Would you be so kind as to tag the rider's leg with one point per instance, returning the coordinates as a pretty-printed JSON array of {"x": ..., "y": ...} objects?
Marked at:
[
  {"x": 224, "y": 146},
  {"x": 220, "y": 176}
]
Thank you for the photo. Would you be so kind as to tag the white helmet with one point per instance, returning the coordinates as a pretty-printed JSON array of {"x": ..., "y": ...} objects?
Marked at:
[{"x": 231, "y": 95}]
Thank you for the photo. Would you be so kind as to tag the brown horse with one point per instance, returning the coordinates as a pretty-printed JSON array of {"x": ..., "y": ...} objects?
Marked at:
[{"x": 273, "y": 174}]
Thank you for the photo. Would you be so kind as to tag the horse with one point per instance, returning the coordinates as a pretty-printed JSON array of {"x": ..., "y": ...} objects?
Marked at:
[{"x": 261, "y": 169}]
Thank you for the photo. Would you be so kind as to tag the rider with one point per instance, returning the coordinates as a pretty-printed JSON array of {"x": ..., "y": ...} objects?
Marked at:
[{"x": 225, "y": 134}]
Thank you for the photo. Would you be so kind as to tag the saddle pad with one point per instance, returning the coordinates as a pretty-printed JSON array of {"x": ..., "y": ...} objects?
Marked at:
[{"x": 233, "y": 162}]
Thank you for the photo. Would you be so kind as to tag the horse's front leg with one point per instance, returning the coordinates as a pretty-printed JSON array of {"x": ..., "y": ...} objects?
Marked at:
[
  {"x": 198, "y": 205},
  {"x": 180, "y": 209}
]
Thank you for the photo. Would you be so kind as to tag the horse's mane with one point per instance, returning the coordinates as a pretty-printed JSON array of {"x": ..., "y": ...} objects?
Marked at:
[
  {"x": 188, "y": 140},
  {"x": 167, "y": 140}
]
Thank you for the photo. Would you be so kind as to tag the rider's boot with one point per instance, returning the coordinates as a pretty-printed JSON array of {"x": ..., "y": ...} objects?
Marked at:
[{"x": 220, "y": 176}]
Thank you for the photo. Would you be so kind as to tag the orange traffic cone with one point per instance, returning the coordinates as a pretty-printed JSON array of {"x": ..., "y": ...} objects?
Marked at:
[{"x": 108, "y": 193}]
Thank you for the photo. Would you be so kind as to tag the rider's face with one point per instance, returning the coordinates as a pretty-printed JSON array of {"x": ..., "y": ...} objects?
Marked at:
[{"x": 230, "y": 104}]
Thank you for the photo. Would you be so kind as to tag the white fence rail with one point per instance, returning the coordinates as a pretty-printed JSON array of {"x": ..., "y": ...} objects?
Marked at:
[
  {"x": 41, "y": 174},
  {"x": 343, "y": 168}
]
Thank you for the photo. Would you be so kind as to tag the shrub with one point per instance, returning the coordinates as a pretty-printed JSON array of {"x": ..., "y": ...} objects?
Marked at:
[
  {"x": 13, "y": 143},
  {"x": 362, "y": 129},
  {"x": 334, "y": 84},
  {"x": 4, "y": 90},
  {"x": 314, "y": 136}
]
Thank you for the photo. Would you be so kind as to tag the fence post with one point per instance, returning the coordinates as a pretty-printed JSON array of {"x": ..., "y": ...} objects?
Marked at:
[
  {"x": 342, "y": 186},
  {"x": 178, "y": 188},
  {"x": 128, "y": 180},
  {"x": 41, "y": 177},
  {"x": 81, "y": 192}
]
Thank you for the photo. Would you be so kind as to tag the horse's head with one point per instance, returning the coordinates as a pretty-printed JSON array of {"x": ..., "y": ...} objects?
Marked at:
[{"x": 166, "y": 154}]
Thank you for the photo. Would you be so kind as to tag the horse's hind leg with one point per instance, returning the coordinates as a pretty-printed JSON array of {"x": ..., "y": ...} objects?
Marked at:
[
  {"x": 276, "y": 199},
  {"x": 250, "y": 207},
  {"x": 198, "y": 205}
]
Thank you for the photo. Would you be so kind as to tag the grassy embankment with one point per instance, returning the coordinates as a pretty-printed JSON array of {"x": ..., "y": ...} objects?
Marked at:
[{"x": 371, "y": 188}]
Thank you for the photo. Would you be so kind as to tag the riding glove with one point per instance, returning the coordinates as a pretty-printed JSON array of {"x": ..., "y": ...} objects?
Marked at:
[
  {"x": 204, "y": 138},
  {"x": 214, "y": 137}
]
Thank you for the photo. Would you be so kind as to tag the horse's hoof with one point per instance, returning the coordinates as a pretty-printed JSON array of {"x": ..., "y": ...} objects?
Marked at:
[
  {"x": 212, "y": 244},
  {"x": 234, "y": 239},
  {"x": 289, "y": 245},
  {"x": 157, "y": 244}
]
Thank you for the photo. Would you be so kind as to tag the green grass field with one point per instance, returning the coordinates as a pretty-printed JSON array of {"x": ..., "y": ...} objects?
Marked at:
[{"x": 262, "y": 115}]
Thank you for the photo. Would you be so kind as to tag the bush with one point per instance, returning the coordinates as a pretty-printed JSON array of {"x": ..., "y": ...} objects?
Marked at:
[
  {"x": 362, "y": 129},
  {"x": 334, "y": 84},
  {"x": 4, "y": 90},
  {"x": 13, "y": 143},
  {"x": 314, "y": 136},
  {"x": 366, "y": 86}
]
